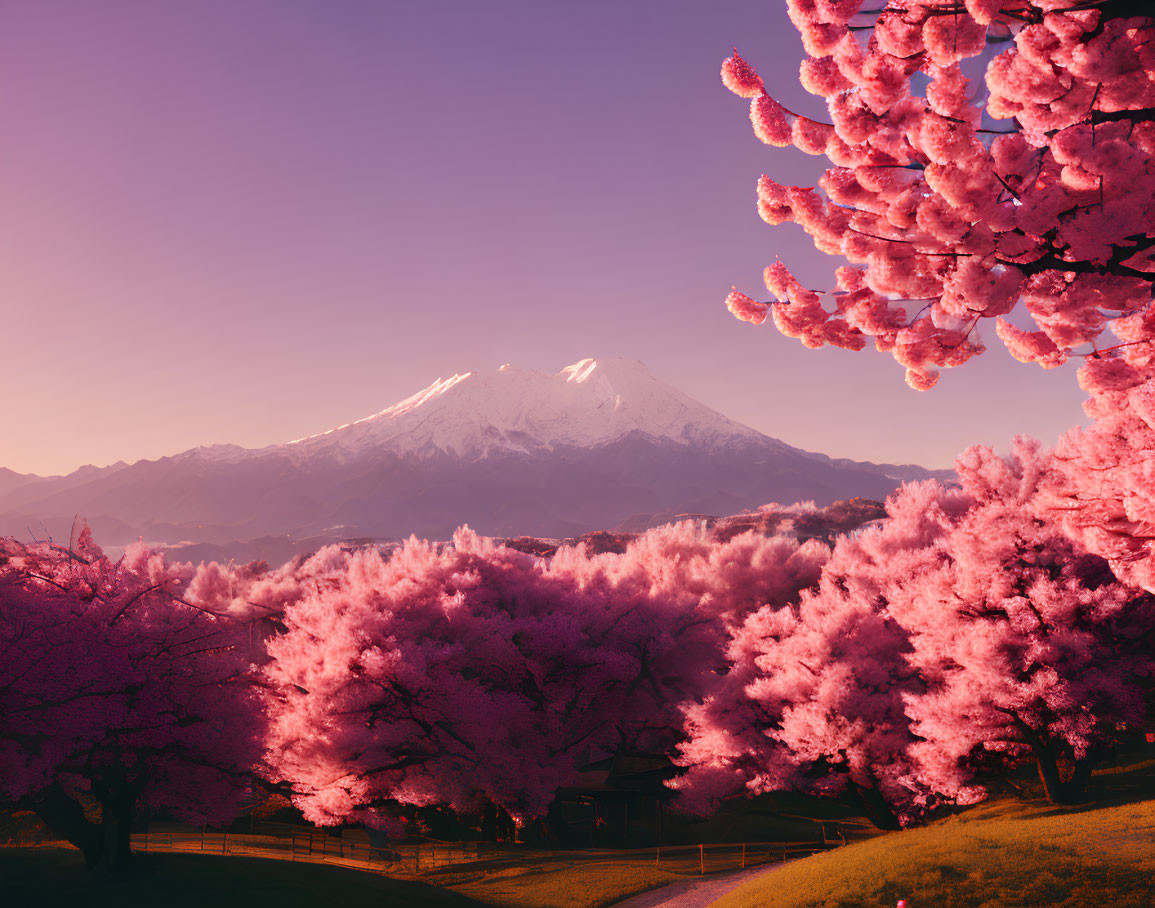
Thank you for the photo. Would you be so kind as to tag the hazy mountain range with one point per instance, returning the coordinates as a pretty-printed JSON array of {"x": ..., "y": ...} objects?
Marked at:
[{"x": 601, "y": 444}]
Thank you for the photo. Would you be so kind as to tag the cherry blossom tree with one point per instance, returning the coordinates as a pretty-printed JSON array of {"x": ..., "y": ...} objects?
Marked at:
[
  {"x": 1101, "y": 490},
  {"x": 815, "y": 696},
  {"x": 432, "y": 677},
  {"x": 724, "y": 578},
  {"x": 953, "y": 200},
  {"x": 961, "y": 634},
  {"x": 118, "y": 692},
  {"x": 471, "y": 673},
  {"x": 813, "y": 702},
  {"x": 1028, "y": 645}
]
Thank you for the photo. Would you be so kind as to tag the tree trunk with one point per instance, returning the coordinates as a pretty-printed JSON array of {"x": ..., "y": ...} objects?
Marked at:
[
  {"x": 556, "y": 827},
  {"x": 1079, "y": 780},
  {"x": 1048, "y": 775},
  {"x": 65, "y": 817},
  {"x": 117, "y": 811},
  {"x": 875, "y": 806},
  {"x": 106, "y": 845},
  {"x": 1057, "y": 789},
  {"x": 489, "y": 822}
]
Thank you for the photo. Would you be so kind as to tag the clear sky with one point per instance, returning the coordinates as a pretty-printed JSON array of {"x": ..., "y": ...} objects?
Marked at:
[{"x": 252, "y": 220}]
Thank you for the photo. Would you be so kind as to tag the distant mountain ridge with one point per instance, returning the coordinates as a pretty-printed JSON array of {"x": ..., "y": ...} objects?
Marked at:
[{"x": 599, "y": 445}]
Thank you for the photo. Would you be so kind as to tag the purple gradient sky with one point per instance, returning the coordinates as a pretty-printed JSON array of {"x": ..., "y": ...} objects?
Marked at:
[{"x": 252, "y": 220}]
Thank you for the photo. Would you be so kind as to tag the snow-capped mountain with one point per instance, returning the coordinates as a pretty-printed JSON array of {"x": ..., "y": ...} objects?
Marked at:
[
  {"x": 600, "y": 444},
  {"x": 591, "y": 403}
]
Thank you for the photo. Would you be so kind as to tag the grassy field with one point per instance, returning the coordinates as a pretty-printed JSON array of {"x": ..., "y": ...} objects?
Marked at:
[
  {"x": 1013, "y": 850},
  {"x": 565, "y": 884},
  {"x": 514, "y": 877},
  {"x": 1000, "y": 854},
  {"x": 51, "y": 876},
  {"x": 56, "y": 876}
]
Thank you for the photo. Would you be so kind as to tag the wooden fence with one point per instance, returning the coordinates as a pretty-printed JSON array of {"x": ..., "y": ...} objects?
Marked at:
[
  {"x": 313, "y": 847},
  {"x": 422, "y": 859}
]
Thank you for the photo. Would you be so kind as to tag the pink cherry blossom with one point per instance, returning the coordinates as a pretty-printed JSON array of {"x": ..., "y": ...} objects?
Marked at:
[
  {"x": 1053, "y": 205},
  {"x": 748, "y": 310},
  {"x": 741, "y": 78}
]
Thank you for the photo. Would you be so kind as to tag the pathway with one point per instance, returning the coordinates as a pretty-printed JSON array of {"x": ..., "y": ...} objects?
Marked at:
[{"x": 695, "y": 893}]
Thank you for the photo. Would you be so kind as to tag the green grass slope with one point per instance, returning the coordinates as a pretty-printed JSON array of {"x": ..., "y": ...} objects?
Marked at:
[{"x": 1001, "y": 854}]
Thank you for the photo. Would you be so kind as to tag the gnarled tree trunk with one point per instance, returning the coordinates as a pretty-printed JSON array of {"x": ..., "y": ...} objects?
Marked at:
[
  {"x": 117, "y": 811},
  {"x": 1056, "y": 788},
  {"x": 106, "y": 845},
  {"x": 875, "y": 806},
  {"x": 65, "y": 817}
]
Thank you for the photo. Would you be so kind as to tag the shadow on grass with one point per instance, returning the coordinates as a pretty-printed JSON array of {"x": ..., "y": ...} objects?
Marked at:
[{"x": 57, "y": 876}]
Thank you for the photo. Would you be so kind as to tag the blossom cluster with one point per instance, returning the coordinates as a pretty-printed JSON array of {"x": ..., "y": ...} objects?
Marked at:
[{"x": 955, "y": 197}]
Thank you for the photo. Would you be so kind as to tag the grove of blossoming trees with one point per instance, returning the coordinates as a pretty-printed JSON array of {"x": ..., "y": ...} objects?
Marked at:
[
  {"x": 957, "y": 637},
  {"x": 1007, "y": 620},
  {"x": 455, "y": 675}
]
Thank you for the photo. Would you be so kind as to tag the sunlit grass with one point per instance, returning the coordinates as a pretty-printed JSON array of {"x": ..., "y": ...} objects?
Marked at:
[
  {"x": 998, "y": 855},
  {"x": 567, "y": 885},
  {"x": 529, "y": 878}
]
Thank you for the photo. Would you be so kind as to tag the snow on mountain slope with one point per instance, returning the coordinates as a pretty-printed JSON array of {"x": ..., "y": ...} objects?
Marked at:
[{"x": 588, "y": 404}]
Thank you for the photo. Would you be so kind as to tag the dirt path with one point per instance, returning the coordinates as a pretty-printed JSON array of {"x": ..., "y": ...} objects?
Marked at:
[{"x": 695, "y": 893}]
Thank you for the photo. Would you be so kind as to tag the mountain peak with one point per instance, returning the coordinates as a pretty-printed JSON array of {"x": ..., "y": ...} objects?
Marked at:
[
  {"x": 586, "y": 404},
  {"x": 614, "y": 369},
  {"x": 579, "y": 371}
]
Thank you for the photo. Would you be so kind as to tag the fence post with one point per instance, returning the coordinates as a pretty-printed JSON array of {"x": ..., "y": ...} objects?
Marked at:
[
  {"x": 417, "y": 860},
  {"x": 702, "y": 859},
  {"x": 658, "y": 855},
  {"x": 743, "y": 855}
]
